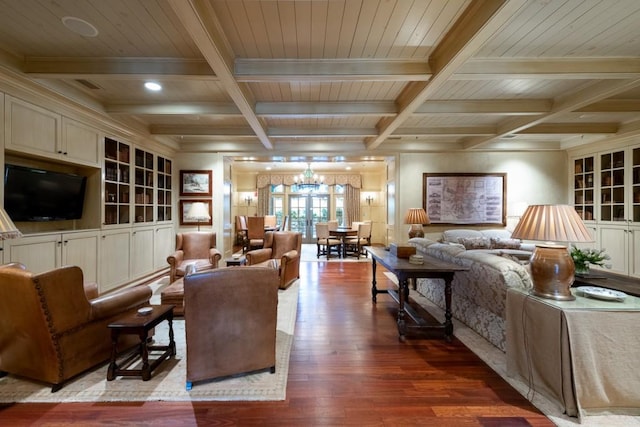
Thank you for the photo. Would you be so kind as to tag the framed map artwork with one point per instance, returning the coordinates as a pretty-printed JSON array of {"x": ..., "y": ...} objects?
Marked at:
[{"x": 465, "y": 198}]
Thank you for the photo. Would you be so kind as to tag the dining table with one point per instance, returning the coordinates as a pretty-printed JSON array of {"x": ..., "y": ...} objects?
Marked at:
[{"x": 341, "y": 233}]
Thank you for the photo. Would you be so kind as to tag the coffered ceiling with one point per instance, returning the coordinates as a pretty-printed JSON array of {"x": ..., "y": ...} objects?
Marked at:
[{"x": 316, "y": 79}]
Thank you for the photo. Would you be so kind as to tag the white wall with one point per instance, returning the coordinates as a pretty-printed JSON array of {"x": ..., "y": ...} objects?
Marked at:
[{"x": 532, "y": 178}]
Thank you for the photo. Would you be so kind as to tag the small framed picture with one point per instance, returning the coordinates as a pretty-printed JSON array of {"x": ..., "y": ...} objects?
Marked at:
[
  {"x": 195, "y": 183},
  {"x": 185, "y": 207}
]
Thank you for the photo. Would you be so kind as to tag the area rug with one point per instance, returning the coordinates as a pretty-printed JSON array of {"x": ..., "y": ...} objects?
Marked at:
[
  {"x": 168, "y": 381},
  {"x": 497, "y": 360}
]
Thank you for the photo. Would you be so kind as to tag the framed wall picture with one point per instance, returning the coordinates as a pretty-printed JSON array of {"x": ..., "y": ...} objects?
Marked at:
[
  {"x": 195, "y": 183},
  {"x": 185, "y": 205},
  {"x": 465, "y": 198}
]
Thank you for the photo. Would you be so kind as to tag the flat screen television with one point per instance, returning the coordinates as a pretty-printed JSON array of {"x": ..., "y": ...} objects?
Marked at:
[{"x": 32, "y": 194}]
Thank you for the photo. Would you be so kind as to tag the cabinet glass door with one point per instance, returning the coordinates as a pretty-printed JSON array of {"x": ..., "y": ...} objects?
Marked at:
[
  {"x": 635, "y": 185},
  {"x": 612, "y": 191},
  {"x": 117, "y": 185},
  {"x": 583, "y": 186}
]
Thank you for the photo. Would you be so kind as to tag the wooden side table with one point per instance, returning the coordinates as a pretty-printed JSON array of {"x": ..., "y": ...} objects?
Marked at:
[
  {"x": 236, "y": 261},
  {"x": 140, "y": 325}
]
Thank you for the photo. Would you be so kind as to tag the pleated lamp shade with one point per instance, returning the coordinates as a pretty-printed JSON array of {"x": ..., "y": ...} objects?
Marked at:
[
  {"x": 416, "y": 217},
  {"x": 8, "y": 230},
  {"x": 551, "y": 223},
  {"x": 552, "y": 268}
]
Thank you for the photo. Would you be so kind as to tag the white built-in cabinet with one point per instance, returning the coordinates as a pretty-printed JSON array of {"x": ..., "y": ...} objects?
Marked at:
[
  {"x": 135, "y": 203},
  {"x": 43, "y": 252},
  {"x": 606, "y": 192},
  {"x": 34, "y": 130},
  {"x": 142, "y": 261},
  {"x": 163, "y": 246},
  {"x": 115, "y": 251}
]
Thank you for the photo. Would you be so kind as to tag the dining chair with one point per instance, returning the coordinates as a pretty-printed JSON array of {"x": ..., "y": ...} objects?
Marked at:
[
  {"x": 355, "y": 245},
  {"x": 285, "y": 223},
  {"x": 325, "y": 242},
  {"x": 270, "y": 222},
  {"x": 255, "y": 232}
]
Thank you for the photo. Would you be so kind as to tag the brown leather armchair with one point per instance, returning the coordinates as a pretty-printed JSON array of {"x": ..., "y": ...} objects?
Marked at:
[
  {"x": 53, "y": 327},
  {"x": 198, "y": 248},
  {"x": 282, "y": 248},
  {"x": 230, "y": 322}
]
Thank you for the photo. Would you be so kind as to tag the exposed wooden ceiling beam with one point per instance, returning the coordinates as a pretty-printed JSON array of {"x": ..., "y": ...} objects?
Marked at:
[
  {"x": 510, "y": 107},
  {"x": 570, "y": 128},
  {"x": 201, "y": 23},
  {"x": 478, "y": 24},
  {"x": 118, "y": 68},
  {"x": 549, "y": 68},
  {"x": 284, "y": 70},
  {"x": 582, "y": 97},
  {"x": 176, "y": 108},
  {"x": 302, "y": 109}
]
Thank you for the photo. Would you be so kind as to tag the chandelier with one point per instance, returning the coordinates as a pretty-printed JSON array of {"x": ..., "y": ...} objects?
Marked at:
[{"x": 308, "y": 180}]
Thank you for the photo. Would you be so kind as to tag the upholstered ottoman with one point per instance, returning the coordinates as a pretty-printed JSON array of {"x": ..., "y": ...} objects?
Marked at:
[{"x": 174, "y": 294}]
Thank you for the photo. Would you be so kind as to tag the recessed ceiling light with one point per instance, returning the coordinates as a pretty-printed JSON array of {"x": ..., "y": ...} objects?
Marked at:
[
  {"x": 80, "y": 26},
  {"x": 153, "y": 86}
]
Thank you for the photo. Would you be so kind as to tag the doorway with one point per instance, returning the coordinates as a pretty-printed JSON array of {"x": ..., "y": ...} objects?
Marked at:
[{"x": 305, "y": 210}]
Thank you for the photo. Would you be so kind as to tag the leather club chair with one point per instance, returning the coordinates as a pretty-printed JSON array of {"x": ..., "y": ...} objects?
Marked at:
[
  {"x": 231, "y": 321},
  {"x": 198, "y": 248},
  {"x": 54, "y": 327},
  {"x": 282, "y": 250}
]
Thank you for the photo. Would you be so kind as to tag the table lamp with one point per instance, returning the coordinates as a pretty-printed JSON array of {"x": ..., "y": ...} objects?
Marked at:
[
  {"x": 416, "y": 217},
  {"x": 8, "y": 230},
  {"x": 199, "y": 212},
  {"x": 552, "y": 268}
]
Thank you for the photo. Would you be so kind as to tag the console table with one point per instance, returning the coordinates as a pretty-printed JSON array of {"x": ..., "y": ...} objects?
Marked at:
[
  {"x": 582, "y": 354},
  {"x": 405, "y": 271}
]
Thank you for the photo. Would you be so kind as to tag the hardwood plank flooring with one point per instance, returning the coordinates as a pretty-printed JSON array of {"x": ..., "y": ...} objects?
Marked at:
[{"x": 347, "y": 368}]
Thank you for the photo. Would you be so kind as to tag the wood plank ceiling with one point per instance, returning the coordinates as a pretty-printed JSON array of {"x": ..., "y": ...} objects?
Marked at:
[{"x": 285, "y": 78}]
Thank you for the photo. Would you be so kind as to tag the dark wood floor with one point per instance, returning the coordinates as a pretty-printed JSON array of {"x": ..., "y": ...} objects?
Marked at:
[{"x": 347, "y": 368}]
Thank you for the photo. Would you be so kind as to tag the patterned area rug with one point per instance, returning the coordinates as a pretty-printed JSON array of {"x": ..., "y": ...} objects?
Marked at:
[
  {"x": 497, "y": 360},
  {"x": 168, "y": 381}
]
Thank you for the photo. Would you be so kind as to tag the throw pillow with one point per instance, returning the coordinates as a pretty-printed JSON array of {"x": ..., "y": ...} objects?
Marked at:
[
  {"x": 498, "y": 243},
  {"x": 474, "y": 242}
]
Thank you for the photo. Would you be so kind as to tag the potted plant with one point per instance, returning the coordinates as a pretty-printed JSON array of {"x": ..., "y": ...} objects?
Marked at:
[{"x": 583, "y": 258}]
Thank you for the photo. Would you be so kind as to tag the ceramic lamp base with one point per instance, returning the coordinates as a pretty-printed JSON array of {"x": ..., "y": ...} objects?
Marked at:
[
  {"x": 416, "y": 230},
  {"x": 552, "y": 272}
]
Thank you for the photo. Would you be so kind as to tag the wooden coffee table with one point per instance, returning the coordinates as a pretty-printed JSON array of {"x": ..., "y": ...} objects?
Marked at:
[{"x": 134, "y": 323}]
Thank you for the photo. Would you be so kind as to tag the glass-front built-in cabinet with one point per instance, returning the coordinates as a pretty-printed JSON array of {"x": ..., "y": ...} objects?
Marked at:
[
  {"x": 583, "y": 187},
  {"x": 164, "y": 189},
  {"x": 117, "y": 187},
  {"x": 612, "y": 189},
  {"x": 635, "y": 185},
  {"x": 144, "y": 176},
  {"x": 608, "y": 192}
]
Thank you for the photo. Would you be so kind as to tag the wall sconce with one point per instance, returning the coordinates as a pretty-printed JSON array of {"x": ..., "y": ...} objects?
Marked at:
[
  {"x": 248, "y": 199},
  {"x": 369, "y": 199}
]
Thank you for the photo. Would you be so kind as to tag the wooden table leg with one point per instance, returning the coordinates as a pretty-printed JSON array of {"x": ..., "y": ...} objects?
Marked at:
[
  {"x": 448, "y": 323},
  {"x": 111, "y": 371},
  {"x": 403, "y": 292},
  {"x": 374, "y": 289},
  {"x": 144, "y": 353}
]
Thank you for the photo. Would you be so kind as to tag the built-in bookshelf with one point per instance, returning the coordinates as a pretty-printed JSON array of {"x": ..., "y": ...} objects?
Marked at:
[
  {"x": 143, "y": 187},
  {"x": 583, "y": 187},
  {"x": 117, "y": 185},
  {"x": 164, "y": 189}
]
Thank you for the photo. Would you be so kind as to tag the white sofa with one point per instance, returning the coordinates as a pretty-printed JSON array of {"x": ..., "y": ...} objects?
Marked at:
[{"x": 479, "y": 295}]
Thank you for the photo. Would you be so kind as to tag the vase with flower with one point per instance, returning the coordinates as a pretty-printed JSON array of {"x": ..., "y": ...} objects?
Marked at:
[{"x": 583, "y": 258}]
